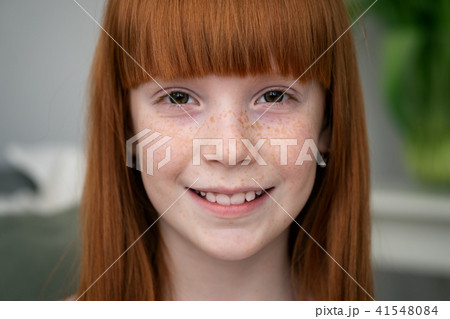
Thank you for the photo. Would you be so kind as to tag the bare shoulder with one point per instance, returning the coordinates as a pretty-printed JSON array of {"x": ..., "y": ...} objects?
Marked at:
[{"x": 71, "y": 298}]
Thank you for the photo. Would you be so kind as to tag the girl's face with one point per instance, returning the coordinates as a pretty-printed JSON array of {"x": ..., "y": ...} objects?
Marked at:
[{"x": 236, "y": 226}]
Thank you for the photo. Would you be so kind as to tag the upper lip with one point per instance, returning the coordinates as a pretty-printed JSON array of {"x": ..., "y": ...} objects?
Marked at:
[{"x": 228, "y": 191}]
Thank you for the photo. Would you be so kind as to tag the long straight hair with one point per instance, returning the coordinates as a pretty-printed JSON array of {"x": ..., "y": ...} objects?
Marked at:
[{"x": 188, "y": 38}]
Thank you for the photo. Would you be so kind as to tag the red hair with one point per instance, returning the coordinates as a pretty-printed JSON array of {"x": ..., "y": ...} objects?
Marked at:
[{"x": 227, "y": 37}]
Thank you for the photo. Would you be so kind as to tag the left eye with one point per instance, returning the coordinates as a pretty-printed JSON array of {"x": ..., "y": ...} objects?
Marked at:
[{"x": 274, "y": 96}]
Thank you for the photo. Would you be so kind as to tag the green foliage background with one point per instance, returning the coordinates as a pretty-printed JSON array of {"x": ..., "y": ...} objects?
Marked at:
[{"x": 415, "y": 70}]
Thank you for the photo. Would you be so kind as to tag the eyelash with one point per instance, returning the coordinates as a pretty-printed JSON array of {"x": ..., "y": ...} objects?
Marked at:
[
  {"x": 174, "y": 105},
  {"x": 282, "y": 101},
  {"x": 167, "y": 96}
]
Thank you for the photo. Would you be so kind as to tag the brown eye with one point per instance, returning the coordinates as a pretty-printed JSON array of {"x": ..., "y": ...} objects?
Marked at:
[
  {"x": 179, "y": 97},
  {"x": 273, "y": 96}
]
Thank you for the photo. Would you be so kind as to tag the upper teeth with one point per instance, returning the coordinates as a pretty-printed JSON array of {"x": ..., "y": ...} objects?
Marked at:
[{"x": 235, "y": 199}]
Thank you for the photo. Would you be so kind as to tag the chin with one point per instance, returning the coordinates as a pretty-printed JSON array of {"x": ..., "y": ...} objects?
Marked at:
[
  {"x": 230, "y": 254},
  {"x": 230, "y": 249}
]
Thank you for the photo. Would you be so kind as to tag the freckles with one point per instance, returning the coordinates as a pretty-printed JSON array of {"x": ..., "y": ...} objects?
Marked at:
[
  {"x": 192, "y": 132},
  {"x": 257, "y": 125},
  {"x": 296, "y": 127},
  {"x": 178, "y": 209}
]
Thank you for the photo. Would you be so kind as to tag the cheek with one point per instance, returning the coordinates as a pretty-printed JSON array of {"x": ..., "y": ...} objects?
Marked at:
[
  {"x": 298, "y": 178},
  {"x": 180, "y": 132},
  {"x": 169, "y": 159},
  {"x": 177, "y": 128},
  {"x": 160, "y": 185},
  {"x": 293, "y": 134}
]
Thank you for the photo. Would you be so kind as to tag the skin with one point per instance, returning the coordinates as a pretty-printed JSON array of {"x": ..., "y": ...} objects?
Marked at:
[{"x": 244, "y": 258}]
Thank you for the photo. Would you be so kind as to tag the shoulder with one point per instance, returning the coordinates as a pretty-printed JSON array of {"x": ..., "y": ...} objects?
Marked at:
[{"x": 71, "y": 298}]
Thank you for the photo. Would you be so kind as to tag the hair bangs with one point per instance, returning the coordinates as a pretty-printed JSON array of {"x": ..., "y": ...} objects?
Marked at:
[{"x": 185, "y": 39}]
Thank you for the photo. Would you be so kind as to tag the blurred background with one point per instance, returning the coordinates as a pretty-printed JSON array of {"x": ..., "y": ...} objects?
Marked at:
[{"x": 46, "y": 51}]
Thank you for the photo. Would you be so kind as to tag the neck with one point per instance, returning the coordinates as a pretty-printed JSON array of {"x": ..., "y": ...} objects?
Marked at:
[{"x": 195, "y": 275}]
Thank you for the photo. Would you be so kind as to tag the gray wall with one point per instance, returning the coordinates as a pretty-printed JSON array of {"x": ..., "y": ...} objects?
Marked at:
[{"x": 46, "y": 51}]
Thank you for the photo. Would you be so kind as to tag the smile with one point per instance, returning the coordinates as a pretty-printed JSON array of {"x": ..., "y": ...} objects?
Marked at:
[
  {"x": 230, "y": 205},
  {"x": 224, "y": 199}
]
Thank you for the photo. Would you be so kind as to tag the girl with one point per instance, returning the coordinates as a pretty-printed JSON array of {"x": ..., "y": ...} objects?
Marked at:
[{"x": 254, "y": 223}]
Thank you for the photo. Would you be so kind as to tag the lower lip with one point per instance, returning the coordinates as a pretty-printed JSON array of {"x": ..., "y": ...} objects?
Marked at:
[{"x": 231, "y": 211}]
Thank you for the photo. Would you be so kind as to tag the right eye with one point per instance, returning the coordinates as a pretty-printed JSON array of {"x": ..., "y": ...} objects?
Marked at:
[{"x": 178, "y": 97}]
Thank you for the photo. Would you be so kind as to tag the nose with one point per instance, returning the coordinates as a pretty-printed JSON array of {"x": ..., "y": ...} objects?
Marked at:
[{"x": 231, "y": 131}]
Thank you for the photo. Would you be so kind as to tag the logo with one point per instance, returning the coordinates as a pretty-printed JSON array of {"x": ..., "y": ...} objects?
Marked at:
[
  {"x": 142, "y": 145},
  {"x": 143, "y": 142}
]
